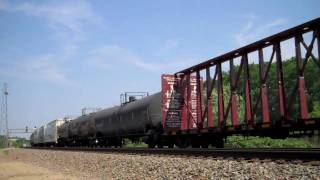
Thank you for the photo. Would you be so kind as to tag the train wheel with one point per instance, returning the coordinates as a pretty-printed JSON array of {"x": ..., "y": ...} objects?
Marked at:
[
  {"x": 195, "y": 146},
  {"x": 151, "y": 145},
  {"x": 183, "y": 142},
  {"x": 195, "y": 143},
  {"x": 204, "y": 145},
  {"x": 171, "y": 145},
  {"x": 152, "y": 141},
  {"x": 219, "y": 143}
]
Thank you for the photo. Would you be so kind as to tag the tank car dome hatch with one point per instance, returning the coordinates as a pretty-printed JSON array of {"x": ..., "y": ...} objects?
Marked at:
[
  {"x": 128, "y": 97},
  {"x": 132, "y": 98}
]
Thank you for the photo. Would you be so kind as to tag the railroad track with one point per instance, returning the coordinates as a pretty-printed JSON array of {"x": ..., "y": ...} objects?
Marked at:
[{"x": 310, "y": 154}]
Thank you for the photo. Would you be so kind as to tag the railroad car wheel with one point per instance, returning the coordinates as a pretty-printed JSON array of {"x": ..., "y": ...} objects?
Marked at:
[
  {"x": 195, "y": 143},
  {"x": 118, "y": 143},
  {"x": 183, "y": 142},
  {"x": 151, "y": 145},
  {"x": 219, "y": 143},
  {"x": 153, "y": 140},
  {"x": 204, "y": 145},
  {"x": 171, "y": 145}
]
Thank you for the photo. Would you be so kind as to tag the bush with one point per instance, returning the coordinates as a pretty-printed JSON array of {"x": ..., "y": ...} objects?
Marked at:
[
  {"x": 16, "y": 142},
  {"x": 136, "y": 143},
  {"x": 2, "y": 140},
  {"x": 19, "y": 143}
]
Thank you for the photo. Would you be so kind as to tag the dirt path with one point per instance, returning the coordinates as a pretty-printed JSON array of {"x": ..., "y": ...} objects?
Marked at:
[{"x": 11, "y": 168}]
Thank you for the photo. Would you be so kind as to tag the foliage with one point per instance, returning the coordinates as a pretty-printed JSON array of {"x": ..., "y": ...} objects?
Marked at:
[
  {"x": 266, "y": 142},
  {"x": 316, "y": 109},
  {"x": 134, "y": 143},
  {"x": 2, "y": 139},
  {"x": 19, "y": 142},
  {"x": 312, "y": 85},
  {"x": 14, "y": 142}
]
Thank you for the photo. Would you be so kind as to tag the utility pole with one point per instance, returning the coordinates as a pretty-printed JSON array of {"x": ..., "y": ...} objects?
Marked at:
[{"x": 5, "y": 94}]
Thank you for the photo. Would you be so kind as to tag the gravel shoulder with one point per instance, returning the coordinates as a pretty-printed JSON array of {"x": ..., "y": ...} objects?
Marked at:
[
  {"x": 93, "y": 165},
  {"x": 13, "y": 169}
]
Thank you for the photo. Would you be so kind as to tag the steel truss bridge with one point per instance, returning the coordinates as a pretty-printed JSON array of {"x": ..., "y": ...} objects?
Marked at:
[{"x": 237, "y": 101}]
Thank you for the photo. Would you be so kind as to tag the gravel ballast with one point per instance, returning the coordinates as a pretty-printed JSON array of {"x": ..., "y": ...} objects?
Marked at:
[{"x": 93, "y": 165}]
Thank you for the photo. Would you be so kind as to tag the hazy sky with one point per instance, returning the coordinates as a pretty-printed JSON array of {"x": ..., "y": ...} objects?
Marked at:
[{"x": 60, "y": 56}]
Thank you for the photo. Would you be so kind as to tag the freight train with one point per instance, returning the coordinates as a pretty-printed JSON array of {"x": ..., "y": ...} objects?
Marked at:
[{"x": 132, "y": 119}]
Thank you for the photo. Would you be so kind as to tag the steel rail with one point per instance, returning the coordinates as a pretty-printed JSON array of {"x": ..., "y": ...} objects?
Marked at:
[{"x": 308, "y": 154}]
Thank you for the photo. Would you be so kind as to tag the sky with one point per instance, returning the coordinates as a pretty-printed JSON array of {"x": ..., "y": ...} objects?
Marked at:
[{"x": 60, "y": 56}]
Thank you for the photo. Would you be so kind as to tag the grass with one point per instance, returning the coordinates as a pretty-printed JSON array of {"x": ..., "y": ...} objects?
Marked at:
[
  {"x": 266, "y": 142},
  {"x": 4, "y": 151},
  {"x": 130, "y": 144},
  {"x": 246, "y": 142}
]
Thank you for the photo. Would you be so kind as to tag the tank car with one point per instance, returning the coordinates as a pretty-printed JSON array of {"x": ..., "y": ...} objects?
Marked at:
[
  {"x": 87, "y": 128},
  {"x": 33, "y": 138},
  {"x": 108, "y": 127},
  {"x": 36, "y": 137},
  {"x": 132, "y": 119},
  {"x": 63, "y": 133},
  {"x": 81, "y": 130},
  {"x": 41, "y": 135}
]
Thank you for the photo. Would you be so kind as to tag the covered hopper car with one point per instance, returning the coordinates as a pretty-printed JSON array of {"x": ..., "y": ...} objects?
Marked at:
[{"x": 46, "y": 135}]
